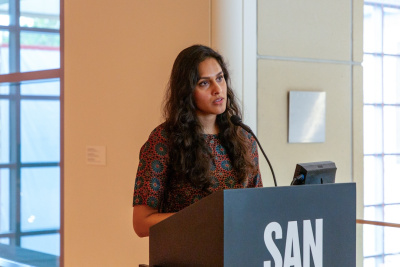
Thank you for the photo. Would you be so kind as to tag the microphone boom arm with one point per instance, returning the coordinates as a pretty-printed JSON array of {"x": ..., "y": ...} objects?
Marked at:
[
  {"x": 236, "y": 120},
  {"x": 262, "y": 150}
]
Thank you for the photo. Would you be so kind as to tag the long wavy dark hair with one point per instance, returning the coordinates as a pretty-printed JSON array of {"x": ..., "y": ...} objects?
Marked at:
[{"x": 190, "y": 157}]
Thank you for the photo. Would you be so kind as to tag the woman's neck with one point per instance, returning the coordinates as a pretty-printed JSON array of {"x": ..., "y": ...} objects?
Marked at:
[{"x": 209, "y": 124}]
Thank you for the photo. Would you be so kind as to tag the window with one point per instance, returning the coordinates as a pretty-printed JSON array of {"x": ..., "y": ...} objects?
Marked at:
[
  {"x": 381, "y": 131},
  {"x": 30, "y": 90}
]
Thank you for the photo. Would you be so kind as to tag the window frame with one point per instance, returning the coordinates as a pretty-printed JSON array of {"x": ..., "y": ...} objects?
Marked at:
[
  {"x": 15, "y": 78},
  {"x": 379, "y": 231}
]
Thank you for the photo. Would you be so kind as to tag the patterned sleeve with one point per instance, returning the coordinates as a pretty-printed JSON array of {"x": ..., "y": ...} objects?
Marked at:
[
  {"x": 254, "y": 180},
  {"x": 152, "y": 169}
]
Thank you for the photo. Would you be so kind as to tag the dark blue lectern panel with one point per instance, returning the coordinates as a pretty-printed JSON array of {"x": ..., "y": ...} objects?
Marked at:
[
  {"x": 301, "y": 226},
  {"x": 290, "y": 211}
]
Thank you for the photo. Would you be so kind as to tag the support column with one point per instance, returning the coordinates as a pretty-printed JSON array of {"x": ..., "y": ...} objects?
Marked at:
[{"x": 234, "y": 35}]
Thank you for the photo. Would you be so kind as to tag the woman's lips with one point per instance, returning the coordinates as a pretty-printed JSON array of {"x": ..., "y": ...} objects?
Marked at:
[{"x": 218, "y": 100}]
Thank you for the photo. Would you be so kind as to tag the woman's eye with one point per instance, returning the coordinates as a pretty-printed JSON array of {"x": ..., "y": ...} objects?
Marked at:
[
  {"x": 220, "y": 78},
  {"x": 203, "y": 83}
]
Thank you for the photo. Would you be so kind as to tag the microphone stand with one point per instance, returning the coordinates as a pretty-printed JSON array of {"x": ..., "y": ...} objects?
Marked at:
[
  {"x": 265, "y": 156},
  {"x": 236, "y": 120}
]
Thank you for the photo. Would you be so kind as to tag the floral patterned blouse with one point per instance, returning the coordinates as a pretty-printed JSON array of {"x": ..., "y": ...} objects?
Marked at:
[{"x": 152, "y": 170}]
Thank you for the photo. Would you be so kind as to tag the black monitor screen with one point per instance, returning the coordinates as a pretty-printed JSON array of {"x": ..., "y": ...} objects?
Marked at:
[{"x": 322, "y": 172}]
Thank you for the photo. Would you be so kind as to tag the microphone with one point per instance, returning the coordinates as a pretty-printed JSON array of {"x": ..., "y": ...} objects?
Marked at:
[{"x": 236, "y": 120}]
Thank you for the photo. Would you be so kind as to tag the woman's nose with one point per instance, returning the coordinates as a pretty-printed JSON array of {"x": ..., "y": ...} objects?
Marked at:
[{"x": 216, "y": 88}]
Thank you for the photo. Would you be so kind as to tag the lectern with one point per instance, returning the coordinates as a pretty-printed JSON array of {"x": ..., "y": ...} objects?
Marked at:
[{"x": 308, "y": 225}]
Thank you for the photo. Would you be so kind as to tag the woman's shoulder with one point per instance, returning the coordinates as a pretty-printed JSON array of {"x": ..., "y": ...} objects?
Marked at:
[
  {"x": 156, "y": 140},
  {"x": 159, "y": 129},
  {"x": 159, "y": 132}
]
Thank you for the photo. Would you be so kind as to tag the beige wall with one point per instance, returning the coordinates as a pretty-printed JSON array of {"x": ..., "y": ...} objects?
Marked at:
[
  {"x": 118, "y": 55},
  {"x": 312, "y": 46}
]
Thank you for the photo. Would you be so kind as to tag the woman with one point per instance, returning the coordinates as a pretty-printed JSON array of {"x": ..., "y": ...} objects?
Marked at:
[{"x": 197, "y": 150}]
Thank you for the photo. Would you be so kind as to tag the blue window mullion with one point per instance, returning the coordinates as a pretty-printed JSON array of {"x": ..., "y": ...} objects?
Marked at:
[
  {"x": 383, "y": 134},
  {"x": 15, "y": 139},
  {"x": 15, "y": 158}
]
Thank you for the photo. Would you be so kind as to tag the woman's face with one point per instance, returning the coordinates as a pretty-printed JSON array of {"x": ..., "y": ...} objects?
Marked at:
[{"x": 210, "y": 92}]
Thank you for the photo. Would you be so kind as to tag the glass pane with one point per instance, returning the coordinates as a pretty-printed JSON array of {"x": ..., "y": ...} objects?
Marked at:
[
  {"x": 374, "y": 213},
  {"x": 372, "y": 29},
  {"x": 5, "y": 241},
  {"x": 4, "y": 131},
  {"x": 392, "y": 214},
  {"x": 39, "y": 51},
  {"x": 392, "y": 180},
  {"x": 4, "y": 52},
  {"x": 4, "y": 89},
  {"x": 47, "y": 87},
  {"x": 388, "y": 2},
  {"x": 4, "y": 200},
  {"x": 372, "y": 129},
  {"x": 40, "y": 13},
  {"x": 49, "y": 244},
  {"x": 372, "y": 67},
  {"x": 4, "y": 10},
  {"x": 391, "y": 81},
  {"x": 40, "y": 198},
  {"x": 373, "y": 240},
  {"x": 392, "y": 237},
  {"x": 391, "y": 36},
  {"x": 40, "y": 131},
  {"x": 373, "y": 173},
  {"x": 373, "y": 262},
  {"x": 392, "y": 260},
  {"x": 391, "y": 129}
]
